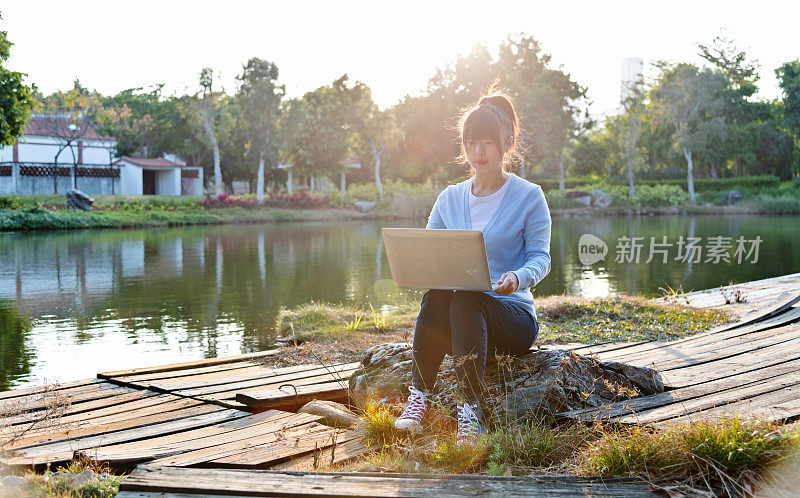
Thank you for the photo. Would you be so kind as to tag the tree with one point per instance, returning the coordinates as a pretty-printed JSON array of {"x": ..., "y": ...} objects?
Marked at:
[
  {"x": 316, "y": 136},
  {"x": 260, "y": 99},
  {"x": 683, "y": 95},
  {"x": 374, "y": 128},
  {"x": 68, "y": 117},
  {"x": 633, "y": 107},
  {"x": 208, "y": 111},
  {"x": 15, "y": 97},
  {"x": 789, "y": 81},
  {"x": 548, "y": 100}
]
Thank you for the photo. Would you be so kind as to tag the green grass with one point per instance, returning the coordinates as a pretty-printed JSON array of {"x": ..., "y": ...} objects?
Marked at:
[
  {"x": 620, "y": 318},
  {"x": 39, "y": 218},
  {"x": 561, "y": 319},
  {"x": 727, "y": 454},
  {"x": 325, "y": 320}
]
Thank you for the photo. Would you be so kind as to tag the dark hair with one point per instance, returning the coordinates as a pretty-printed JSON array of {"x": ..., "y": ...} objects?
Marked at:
[{"x": 494, "y": 118}]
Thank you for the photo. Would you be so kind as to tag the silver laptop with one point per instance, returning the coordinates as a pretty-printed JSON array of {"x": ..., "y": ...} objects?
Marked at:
[{"x": 437, "y": 259}]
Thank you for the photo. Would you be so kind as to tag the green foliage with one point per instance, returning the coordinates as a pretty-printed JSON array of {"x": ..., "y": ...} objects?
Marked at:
[
  {"x": 402, "y": 199},
  {"x": 728, "y": 452},
  {"x": 16, "y": 98}
]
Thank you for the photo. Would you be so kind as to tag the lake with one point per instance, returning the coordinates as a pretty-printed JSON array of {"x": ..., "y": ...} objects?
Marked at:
[{"x": 76, "y": 303}]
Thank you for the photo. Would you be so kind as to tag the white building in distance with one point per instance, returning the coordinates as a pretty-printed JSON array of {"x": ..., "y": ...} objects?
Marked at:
[{"x": 57, "y": 152}]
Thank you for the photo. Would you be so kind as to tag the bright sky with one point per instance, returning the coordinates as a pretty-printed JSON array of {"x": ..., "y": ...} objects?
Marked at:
[{"x": 394, "y": 47}]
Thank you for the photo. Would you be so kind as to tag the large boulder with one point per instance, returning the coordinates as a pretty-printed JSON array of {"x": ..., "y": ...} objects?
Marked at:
[
  {"x": 540, "y": 383},
  {"x": 733, "y": 197},
  {"x": 601, "y": 199},
  {"x": 578, "y": 197},
  {"x": 364, "y": 206},
  {"x": 78, "y": 200}
]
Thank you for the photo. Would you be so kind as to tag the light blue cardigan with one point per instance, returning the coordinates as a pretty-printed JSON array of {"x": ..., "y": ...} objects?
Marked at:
[{"x": 517, "y": 237}]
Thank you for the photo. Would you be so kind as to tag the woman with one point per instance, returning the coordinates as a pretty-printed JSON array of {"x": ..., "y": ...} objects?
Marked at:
[{"x": 515, "y": 220}]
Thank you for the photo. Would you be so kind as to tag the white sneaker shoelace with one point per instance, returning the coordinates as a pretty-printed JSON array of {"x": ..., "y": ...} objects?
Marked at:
[
  {"x": 416, "y": 406},
  {"x": 469, "y": 424}
]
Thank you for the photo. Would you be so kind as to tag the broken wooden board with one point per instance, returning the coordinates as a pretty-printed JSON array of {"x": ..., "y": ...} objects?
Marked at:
[{"x": 149, "y": 480}]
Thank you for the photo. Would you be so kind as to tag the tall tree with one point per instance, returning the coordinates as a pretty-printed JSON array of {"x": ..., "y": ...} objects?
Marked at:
[
  {"x": 15, "y": 97},
  {"x": 789, "y": 81},
  {"x": 68, "y": 117},
  {"x": 316, "y": 136},
  {"x": 683, "y": 95},
  {"x": 374, "y": 127},
  {"x": 548, "y": 100},
  {"x": 260, "y": 100},
  {"x": 208, "y": 111},
  {"x": 633, "y": 107}
]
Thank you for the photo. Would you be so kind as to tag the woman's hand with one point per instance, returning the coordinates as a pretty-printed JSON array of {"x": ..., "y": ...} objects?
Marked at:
[{"x": 507, "y": 284}]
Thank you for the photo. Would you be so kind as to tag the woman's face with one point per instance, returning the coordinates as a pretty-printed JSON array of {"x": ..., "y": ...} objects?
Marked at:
[{"x": 484, "y": 155}]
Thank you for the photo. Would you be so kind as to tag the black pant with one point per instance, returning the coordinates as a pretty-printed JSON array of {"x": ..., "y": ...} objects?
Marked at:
[{"x": 467, "y": 324}]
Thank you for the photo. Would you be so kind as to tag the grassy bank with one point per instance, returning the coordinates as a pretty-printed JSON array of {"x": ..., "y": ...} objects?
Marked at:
[
  {"x": 47, "y": 213},
  {"x": 562, "y": 319}
]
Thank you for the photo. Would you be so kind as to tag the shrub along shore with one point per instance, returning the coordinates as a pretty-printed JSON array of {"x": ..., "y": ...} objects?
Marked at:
[{"x": 756, "y": 195}]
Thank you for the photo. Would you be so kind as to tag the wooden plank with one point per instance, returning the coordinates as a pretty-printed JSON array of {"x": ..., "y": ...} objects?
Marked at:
[
  {"x": 230, "y": 432},
  {"x": 711, "y": 400},
  {"x": 188, "y": 364},
  {"x": 45, "y": 400},
  {"x": 173, "y": 411},
  {"x": 264, "y": 456},
  {"x": 327, "y": 456},
  {"x": 299, "y": 424},
  {"x": 269, "y": 483},
  {"x": 623, "y": 354},
  {"x": 677, "y": 399},
  {"x": 206, "y": 384},
  {"x": 671, "y": 351},
  {"x": 786, "y": 342},
  {"x": 259, "y": 400},
  {"x": 774, "y": 406},
  {"x": 29, "y": 391},
  {"x": 40, "y": 455},
  {"x": 720, "y": 369},
  {"x": 90, "y": 409}
]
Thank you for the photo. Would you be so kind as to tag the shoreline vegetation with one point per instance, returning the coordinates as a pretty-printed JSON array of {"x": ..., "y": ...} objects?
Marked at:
[{"x": 758, "y": 195}]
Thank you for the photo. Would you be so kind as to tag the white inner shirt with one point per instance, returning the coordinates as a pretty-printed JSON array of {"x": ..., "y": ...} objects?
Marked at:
[{"x": 481, "y": 209}]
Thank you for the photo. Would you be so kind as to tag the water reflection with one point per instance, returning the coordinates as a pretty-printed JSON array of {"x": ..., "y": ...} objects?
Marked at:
[{"x": 76, "y": 303}]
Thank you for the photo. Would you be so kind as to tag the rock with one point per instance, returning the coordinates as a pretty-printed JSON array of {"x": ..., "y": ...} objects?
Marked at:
[
  {"x": 601, "y": 199},
  {"x": 334, "y": 414},
  {"x": 733, "y": 197},
  {"x": 578, "y": 197},
  {"x": 78, "y": 200},
  {"x": 12, "y": 486},
  {"x": 708, "y": 204},
  {"x": 364, "y": 206},
  {"x": 544, "y": 382},
  {"x": 73, "y": 480}
]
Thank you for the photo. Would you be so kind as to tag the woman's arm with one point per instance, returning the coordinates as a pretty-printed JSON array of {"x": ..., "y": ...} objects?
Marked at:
[
  {"x": 435, "y": 220},
  {"x": 536, "y": 237}
]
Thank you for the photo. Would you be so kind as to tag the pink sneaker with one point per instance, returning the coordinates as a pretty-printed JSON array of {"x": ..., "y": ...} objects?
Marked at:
[{"x": 416, "y": 406}]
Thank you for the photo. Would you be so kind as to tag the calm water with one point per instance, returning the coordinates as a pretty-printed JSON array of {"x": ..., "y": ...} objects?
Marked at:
[{"x": 73, "y": 304}]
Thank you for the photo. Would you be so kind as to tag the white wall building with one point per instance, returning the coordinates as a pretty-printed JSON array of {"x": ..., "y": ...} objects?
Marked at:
[{"x": 56, "y": 152}]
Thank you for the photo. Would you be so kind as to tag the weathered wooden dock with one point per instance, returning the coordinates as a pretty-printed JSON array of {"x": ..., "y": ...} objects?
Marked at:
[{"x": 235, "y": 418}]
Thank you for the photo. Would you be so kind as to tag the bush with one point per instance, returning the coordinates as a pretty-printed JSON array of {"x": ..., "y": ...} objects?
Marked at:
[
  {"x": 700, "y": 184},
  {"x": 10, "y": 202},
  {"x": 226, "y": 200},
  {"x": 405, "y": 200},
  {"x": 645, "y": 195},
  {"x": 303, "y": 199}
]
